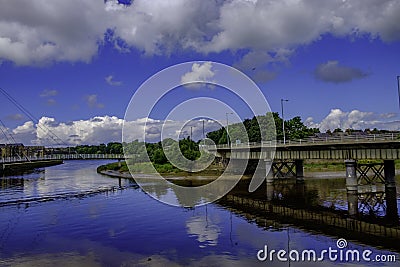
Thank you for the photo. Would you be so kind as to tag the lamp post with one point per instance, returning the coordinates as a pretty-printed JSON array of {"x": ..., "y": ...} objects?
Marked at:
[
  {"x": 283, "y": 121},
  {"x": 398, "y": 87},
  {"x": 204, "y": 137},
  {"x": 227, "y": 127}
]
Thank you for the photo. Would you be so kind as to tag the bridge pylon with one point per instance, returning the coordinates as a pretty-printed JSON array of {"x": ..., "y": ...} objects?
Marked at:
[
  {"x": 285, "y": 169},
  {"x": 376, "y": 178}
]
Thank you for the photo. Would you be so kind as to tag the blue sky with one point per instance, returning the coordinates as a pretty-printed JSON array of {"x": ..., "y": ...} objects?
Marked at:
[{"x": 72, "y": 62}]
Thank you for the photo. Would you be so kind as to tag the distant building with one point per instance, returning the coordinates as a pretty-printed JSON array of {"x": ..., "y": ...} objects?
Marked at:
[
  {"x": 35, "y": 151},
  {"x": 12, "y": 150},
  {"x": 19, "y": 150}
]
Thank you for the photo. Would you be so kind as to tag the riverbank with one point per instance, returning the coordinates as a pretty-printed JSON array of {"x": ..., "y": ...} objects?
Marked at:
[
  {"x": 120, "y": 170},
  {"x": 15, "y": 168},
  {"x": 311, "y": 170}
]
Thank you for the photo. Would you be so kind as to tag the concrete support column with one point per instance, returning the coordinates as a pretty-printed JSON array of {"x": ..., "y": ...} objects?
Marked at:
[
  {"x": 351, "y": 175},
  {"x": 352, "y": 203},
  {"x": 300, "y": 188},
  {"x": 390, "y": 190},
  {"x": 389, "y": 170},
  {"x": 269, "y": 173},
  {"x": 299, "y": 169},
  {"x": 225, "y": 162},
  {"x": 351, "y": 187},
  {"x": 270, "y": 191}
]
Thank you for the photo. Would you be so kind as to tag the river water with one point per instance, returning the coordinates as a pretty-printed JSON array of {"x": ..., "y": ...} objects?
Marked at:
[{"x": 68, "y": 215}]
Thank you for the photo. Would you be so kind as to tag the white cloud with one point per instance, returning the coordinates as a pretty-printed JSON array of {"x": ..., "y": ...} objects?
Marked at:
[
  {"x": 41, "y": 32},
  {"x": 200, "y": 73},
  {"x": 103, "y": 129},
  {"x": 269, "y": 25},
  {"x": 355, "y": 119},
  {"x": 92, "y": 101},
  {"x": 24, "y": 133},
  {"x": 110, "y": 80}
]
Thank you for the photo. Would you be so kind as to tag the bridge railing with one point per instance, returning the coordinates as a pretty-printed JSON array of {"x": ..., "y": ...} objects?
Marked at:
[
  {"x": 367, "y": 138},
  {"x": 61, "y": 157}
]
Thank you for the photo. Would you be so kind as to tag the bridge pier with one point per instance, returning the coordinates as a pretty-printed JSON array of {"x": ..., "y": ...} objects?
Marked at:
[
  {"x": 351, "y": 175},
  {"x": 299, "y": 169},
  {"x": 351, "y": 187},
  {"x": 390, "y": 190},
  {"x": 285, "y": 169},
  {"x": 270, "y": 190},
  {"x": 270, "y": 173},
  {"x": 352, "y": 183}
]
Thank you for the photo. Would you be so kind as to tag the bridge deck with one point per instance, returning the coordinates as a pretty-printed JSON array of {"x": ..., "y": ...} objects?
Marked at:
[
  {"x": 61, "y": 157},
  {"x": 378, "y": 148}
]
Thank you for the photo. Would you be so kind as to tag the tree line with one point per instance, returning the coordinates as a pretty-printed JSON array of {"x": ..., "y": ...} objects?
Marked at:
[
  {"x": 250, "y": 130},
  {"x": 261, "y": 128},
  {"x": 110, "y": 148}
]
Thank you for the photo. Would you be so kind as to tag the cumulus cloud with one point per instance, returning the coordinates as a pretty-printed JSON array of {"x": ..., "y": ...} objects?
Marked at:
[
  {"x": 92, "y": 101},
  {"x": 355, "y": 119},
  {"x": 103, "y": 129},
  {"x": 200, "y": 73},
  {"x": 41, "y": 32},
  {"x": 332, "y": 71},
  {"x": 48, "y": 93},
  {"x": 24, "y": 133},
  {"x": 110, "y": 80}
]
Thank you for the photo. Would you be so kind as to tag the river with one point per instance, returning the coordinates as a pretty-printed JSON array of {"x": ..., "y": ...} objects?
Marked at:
[{"x": 68, "y": 215}]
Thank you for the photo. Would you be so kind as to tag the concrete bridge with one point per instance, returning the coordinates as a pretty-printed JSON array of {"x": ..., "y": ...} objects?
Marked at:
[
  {"x": 380, "y": 147},
  {"x": 286, "y": 160}
]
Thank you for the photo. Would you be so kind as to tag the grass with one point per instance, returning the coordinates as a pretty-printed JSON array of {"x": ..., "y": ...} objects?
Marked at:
[
  {"x": 336, "y": 165},
  {"x": 324, "y": 166},
  {"x": 146, "y": 167},
  {"x": 309, "y": 166}
]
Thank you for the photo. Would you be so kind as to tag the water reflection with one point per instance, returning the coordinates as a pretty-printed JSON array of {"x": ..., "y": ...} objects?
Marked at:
[
  {"x": 176, "y": 196},
  {"x": 129, "y": 228},
  {"x": 73, "y": 178},
  {"x": 204, "y": 229},
  {"x": 369, "y": 214}
]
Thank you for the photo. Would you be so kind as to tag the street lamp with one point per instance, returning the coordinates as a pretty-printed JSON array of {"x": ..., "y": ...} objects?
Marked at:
[
  {"x": 283, "y": 121},
  {"x": 398, "y": 87},
  {"x": 227, "y": 127},
  {"x": 204, "y": 137}
]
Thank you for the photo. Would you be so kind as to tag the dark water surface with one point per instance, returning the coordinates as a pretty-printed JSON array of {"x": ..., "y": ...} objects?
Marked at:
[{"x": 69, "y": 215}]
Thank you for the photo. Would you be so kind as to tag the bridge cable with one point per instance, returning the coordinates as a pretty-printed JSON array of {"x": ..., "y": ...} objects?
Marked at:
[
  {"x": 51, "y": 134},
  {"x": 5, "y": 131}
]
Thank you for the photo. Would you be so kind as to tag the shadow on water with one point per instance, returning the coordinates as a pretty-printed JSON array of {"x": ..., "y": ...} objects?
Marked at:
[{"x": 320, "y": 206}]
